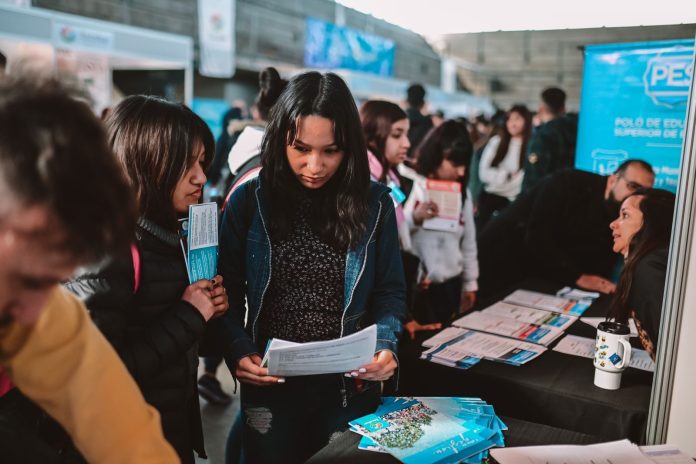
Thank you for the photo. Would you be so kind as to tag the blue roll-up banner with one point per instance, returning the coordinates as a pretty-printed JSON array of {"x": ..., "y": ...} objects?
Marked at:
[
  {"x": 633, "y": 105},
  {"x": 328, "y": 46}
]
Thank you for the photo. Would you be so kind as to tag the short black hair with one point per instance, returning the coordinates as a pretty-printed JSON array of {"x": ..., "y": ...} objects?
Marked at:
[
  {"x": 53, "y": 153},
  {"x": 451, "y": 141},
  {"x": 623, "y": 166},
  {"x": 415, "y": 95},
  {"x": 554, "y": 98},
  {"x": 3, "y": 60},
  {"x": 155, "y": 140}
]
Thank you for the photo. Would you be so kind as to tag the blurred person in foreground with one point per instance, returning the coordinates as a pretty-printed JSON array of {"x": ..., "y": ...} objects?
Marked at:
[{"x": 64, "y": 203}]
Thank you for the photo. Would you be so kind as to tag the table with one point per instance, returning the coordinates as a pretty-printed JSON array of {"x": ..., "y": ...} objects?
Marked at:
[{"x": 555, "y": 389}]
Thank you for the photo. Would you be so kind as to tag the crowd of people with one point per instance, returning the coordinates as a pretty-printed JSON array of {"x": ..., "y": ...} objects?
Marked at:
[{"x": 325, "y": 217}]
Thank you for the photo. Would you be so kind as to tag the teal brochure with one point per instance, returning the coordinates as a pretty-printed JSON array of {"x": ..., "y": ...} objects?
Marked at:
[
  {"x": 415, "y": 433},
  {"x": 202, "y": 240}
]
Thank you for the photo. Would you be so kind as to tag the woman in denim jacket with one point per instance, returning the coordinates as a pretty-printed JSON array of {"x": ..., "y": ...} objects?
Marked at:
[{"x": 312, "y": 247}]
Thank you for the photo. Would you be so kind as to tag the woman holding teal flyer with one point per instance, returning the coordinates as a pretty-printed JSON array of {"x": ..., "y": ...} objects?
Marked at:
[
  {"x": 311, "y": 249},
  {"x": 141, "y": 299}
]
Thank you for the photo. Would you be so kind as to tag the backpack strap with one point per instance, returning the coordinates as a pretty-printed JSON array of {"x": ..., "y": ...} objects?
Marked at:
[{"x": 135, "y": 254}]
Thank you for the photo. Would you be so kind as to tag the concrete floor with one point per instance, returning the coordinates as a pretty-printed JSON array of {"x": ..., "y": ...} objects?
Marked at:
[{"x": 217, "y": 420}]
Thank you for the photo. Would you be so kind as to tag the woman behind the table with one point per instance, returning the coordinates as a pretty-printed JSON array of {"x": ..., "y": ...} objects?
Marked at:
[
  {"x": 642, "y": 234},
  {"x": 312, "y": 245}
]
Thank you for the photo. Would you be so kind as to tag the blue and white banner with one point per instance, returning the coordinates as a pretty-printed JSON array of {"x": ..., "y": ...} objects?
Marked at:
[
  {"x": 328, "y": 46},
  {"x": 633, "y": 105}
]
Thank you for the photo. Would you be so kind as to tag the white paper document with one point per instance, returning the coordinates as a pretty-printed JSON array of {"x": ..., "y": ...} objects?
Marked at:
[
  {"x": 617, "y": 452},
  {"x": 499, "y": 325},
  {"x": 546, "y": 302},
  {"x": 585, "y": 347},
  {"x": 594, "y": 322},
  {"x": 531, "y": 315},
  {"x": 444, "y": 336},
  {"x": 482, "y": 345},
  {"x": 325, "y": 357},
  {"x": 666, "y": 454}
]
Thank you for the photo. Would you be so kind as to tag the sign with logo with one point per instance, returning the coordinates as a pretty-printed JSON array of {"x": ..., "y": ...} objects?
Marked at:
[
  {"x": 216, "y": 36},
  {"x": 67, "y": 35},
  {"x": 328, "y": 46},
  {"x": 633, "y": 106}
]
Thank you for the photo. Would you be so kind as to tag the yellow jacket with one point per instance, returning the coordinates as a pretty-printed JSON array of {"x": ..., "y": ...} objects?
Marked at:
[{"x": 65, "y": 365}]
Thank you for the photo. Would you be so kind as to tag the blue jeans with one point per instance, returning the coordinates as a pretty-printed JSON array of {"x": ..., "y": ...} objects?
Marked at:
[{"x": 288, "y": 423}]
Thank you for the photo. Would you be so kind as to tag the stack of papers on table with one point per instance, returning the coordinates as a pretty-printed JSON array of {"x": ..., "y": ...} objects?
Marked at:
[
  {"x": 463, "y": 348},
  {"x": 547, "y": 302},
  {"x": 500, "y": 325},
  {"x": 531, "y": 315},
  {"x": 431, "y": 430}
]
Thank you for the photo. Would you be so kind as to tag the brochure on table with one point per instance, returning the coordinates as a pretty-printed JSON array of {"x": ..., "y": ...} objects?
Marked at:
[
  {"x": 344, "y": 354},
  {"x": 547, "y": 302},
  {"x": 431, "y": 430},
  {"x": 469, "y": 343},
  {"x": 531, "y": 315},
  {"x": 585, "y": 348},
  {"x": 448, "y": 197},
  {"x": 499, "y": 325},
  {"x": 199, "y": 242}
]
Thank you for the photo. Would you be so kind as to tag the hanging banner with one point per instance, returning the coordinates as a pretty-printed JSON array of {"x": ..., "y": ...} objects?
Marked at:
[
  {"x": 329, "y": 46},
  {"x": 216, "y": 37},
  {"x": 633, "y": 105}
]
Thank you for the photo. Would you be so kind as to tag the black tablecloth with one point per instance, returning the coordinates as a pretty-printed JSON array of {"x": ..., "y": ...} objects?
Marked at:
[
  {"x": 344, "y": 448},
  {"x": 555, "y": 389}
]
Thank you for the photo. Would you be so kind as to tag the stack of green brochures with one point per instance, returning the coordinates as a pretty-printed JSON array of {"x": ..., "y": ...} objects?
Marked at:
[{"x": 431, "y": 429}]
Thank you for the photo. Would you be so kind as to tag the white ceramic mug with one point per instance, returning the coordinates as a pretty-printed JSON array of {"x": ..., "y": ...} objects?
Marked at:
[{"x": 612, "y": 354}]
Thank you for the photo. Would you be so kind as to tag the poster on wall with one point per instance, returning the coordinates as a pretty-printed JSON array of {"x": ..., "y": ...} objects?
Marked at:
[
  {"x": 328, "y": 46},
  {"x": 633, "y": 105},
  {"x": 216, "y": 36},
  {"x": 92, "y": 72}
]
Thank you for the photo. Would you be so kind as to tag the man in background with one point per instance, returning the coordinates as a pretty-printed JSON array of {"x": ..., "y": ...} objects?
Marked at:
[
  {"x": 559, "y": 231},
  {"x": 552, "y": 145}
]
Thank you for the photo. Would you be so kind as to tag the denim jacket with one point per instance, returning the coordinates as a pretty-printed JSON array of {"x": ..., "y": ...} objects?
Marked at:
[{"x": 374, "y": 281}]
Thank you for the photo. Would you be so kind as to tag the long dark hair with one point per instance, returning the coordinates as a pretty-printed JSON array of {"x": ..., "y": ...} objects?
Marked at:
[
  {"x": 155, "y": 140},
  {"x": 449, "y": 141},
  {"x": 657, "y": 206},
  {"x": 505, "y": 136},
  {"x": 340, "y": 211},
  {"x": 271, "y": 85},
  {"x": 377, "y": 117}
]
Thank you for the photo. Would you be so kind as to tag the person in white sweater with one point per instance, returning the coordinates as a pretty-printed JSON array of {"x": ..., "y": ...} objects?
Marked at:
[
  {"x": 501, "y": 168},
  {"x": 449, "y": 258}
]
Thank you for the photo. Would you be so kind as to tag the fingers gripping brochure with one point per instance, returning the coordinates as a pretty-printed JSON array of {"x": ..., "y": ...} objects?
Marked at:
[
  {"x": 200, "y": 241},
  {"x": 344, "y": 354}
]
